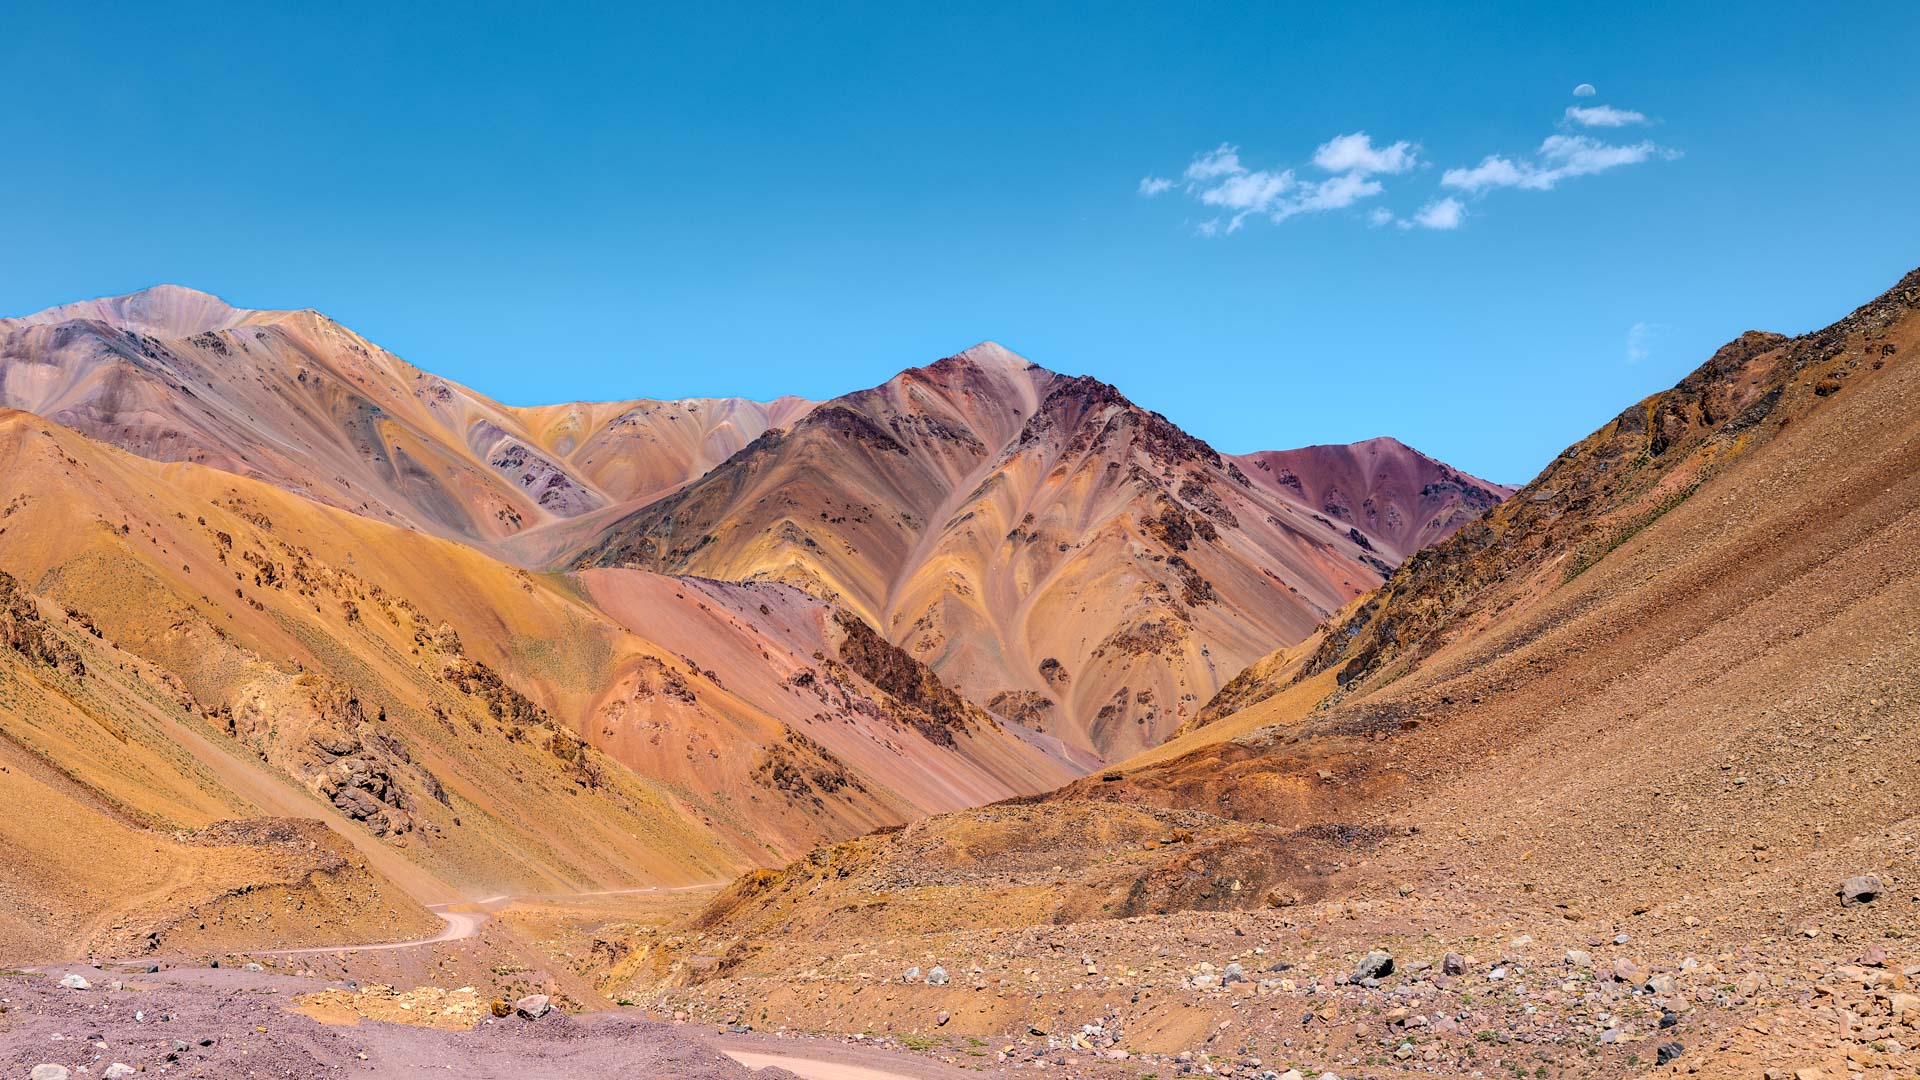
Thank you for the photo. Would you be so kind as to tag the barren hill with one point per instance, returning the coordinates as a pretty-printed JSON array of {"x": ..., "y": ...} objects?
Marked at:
[
  {"x": 1621, "y": 765},
  {"x": 1065, "y": 557},
  {"x": 186, "y": 646},
  {"x": 301, "y": 402}
]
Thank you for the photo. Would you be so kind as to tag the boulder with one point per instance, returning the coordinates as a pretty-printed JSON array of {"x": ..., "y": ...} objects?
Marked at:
[
  {"x": 1861, "y": 889},
  {"x": 1375, "y": 965},
  {"x": 533, "y": 1006}
]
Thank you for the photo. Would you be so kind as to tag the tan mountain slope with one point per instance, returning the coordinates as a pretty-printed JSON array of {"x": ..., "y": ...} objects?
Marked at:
[
  {"x": 1073, "y": 562},
  {"x": 1710, "y": 586},
  {"x": 1655, "y": 710},
  {"x": 1064, "y": 557},
  {"x": 299, "y": 401},
  {"x": 491, "y": 729}
]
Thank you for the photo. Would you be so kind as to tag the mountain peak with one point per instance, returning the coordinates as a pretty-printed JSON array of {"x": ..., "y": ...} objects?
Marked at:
[
  {"x": 992, "y": 354},
  {"x": 161, "y": 310}
]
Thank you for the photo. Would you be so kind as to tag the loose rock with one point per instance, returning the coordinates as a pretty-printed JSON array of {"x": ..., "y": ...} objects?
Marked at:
[
  {"x": 1861, "y": 889},
  {"x": 1374, "y": 965}
]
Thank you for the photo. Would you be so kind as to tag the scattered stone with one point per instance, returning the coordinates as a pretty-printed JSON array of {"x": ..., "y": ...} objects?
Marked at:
[
  {"x": 1374, "y": 965},
  {"x": 1453, "y": 964},
  {"x": 1234, "y": 973},
  {"x": 533, "y": 1006},
  {"x": 119, "y": 1070},
  {"x": 937, "y": 976},
  {"x": 1873, "y": 956},
  {"x": 499, "y": 1008},
  {"x": 75, "y": 982},
  {"x": 253, "y": 967},
  {"x": 1668, "y": 1019},
  {"x": 1663, "y": 985},
  {"x": 940, "y": 1019},
  {"x": 1667, "y": 1052},
  {"x": 1861, "y": 889},
  {"x": 49, "y": 1072},
  {"x": 1579, "y": 958},
  {"x": 912, "y": 974},
  {"x": 1497, "y": 974}
]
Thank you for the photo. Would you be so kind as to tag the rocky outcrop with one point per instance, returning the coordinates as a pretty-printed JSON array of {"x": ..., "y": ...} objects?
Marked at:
[{"x": 23, "y": 630}]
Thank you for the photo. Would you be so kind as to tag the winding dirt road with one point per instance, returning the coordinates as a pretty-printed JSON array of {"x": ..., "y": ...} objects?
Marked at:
[{"x": 464, "y": 920}]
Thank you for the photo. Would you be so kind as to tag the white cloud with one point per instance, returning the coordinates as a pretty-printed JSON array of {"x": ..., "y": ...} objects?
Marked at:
[
  {"x": 1441, "y": 214},
  {"x": 1585, "y": 89},
  {"x": 1639, "y": 336},
  {"x": 1603, "y": 116},
  {"x": 1334, "y": 193},
  {"x": 1218, "y": 178},
  {"x": 1379, "y": 216},
  {"x": 1493, "y": 171},
  {"x": 1223, "y": 160},
  {"x": 1356, "y": 153},
  {"x": 1559, "y": 157},
  {"x": 1256, "y": 191}
]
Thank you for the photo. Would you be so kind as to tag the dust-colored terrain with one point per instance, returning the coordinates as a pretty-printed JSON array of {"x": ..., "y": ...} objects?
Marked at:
[
  {"x": 1613, "y": 777},
  {"x": 1605, "y": 775},
  {"x": 1058, "y": 553}
]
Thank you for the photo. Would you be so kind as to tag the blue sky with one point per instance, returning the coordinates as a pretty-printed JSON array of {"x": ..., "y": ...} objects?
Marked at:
[{"x": 553, "y": 203}]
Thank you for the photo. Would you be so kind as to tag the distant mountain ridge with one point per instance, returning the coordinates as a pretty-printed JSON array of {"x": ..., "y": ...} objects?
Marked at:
[
  {"x": 1073, "y": 562},
  {"x": 297, "y": 400}
]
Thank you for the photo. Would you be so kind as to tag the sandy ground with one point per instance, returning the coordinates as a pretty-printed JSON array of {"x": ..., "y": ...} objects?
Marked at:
[
  {"x": 833, "y": 1059},
  {"x": 234, "y": 1023}
]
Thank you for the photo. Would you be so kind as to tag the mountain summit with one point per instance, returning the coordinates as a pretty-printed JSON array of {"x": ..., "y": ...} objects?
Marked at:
[{"x": 1066, "y": 557}]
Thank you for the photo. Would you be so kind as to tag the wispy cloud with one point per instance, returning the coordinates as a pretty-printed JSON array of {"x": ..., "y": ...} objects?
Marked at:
[
  {"x": 1559, "y": 157},
  {"x": 1605, "y": 116},
  {"x": 1219, "y": 179},
  {"x": 1639, "y": 337},
  {"x": 1349, "y": 169}
]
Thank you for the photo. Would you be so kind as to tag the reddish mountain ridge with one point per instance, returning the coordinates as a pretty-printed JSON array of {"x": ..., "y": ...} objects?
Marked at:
[
  {"x": 1075, "y": 563},
  {"x": 1067, "y": 558}
]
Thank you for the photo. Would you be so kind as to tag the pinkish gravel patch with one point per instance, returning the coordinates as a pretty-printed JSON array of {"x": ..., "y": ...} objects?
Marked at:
[{"x": 234, "y": 1023}]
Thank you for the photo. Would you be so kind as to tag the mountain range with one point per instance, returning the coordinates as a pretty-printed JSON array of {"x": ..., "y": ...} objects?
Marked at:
[
  {"x": 515, "y": 649},
  {"x": 984, "y": 710}
]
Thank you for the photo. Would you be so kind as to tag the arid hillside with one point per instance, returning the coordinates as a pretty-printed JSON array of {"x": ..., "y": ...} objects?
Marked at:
[
  {"x": 188, "y": 646},
  {"x": 1066, "y": 558},
  {"x": 1073, "y": 563},
  {"x": 1625, "y": 762},
  {"x": 301, "y": 402}
]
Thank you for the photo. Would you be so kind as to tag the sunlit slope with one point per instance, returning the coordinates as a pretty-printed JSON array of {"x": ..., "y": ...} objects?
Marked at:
[
  {"x": 299, "y": 401},
  {"x": 489, "y": 723},
  {"x": 1070, "y": 560}
]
